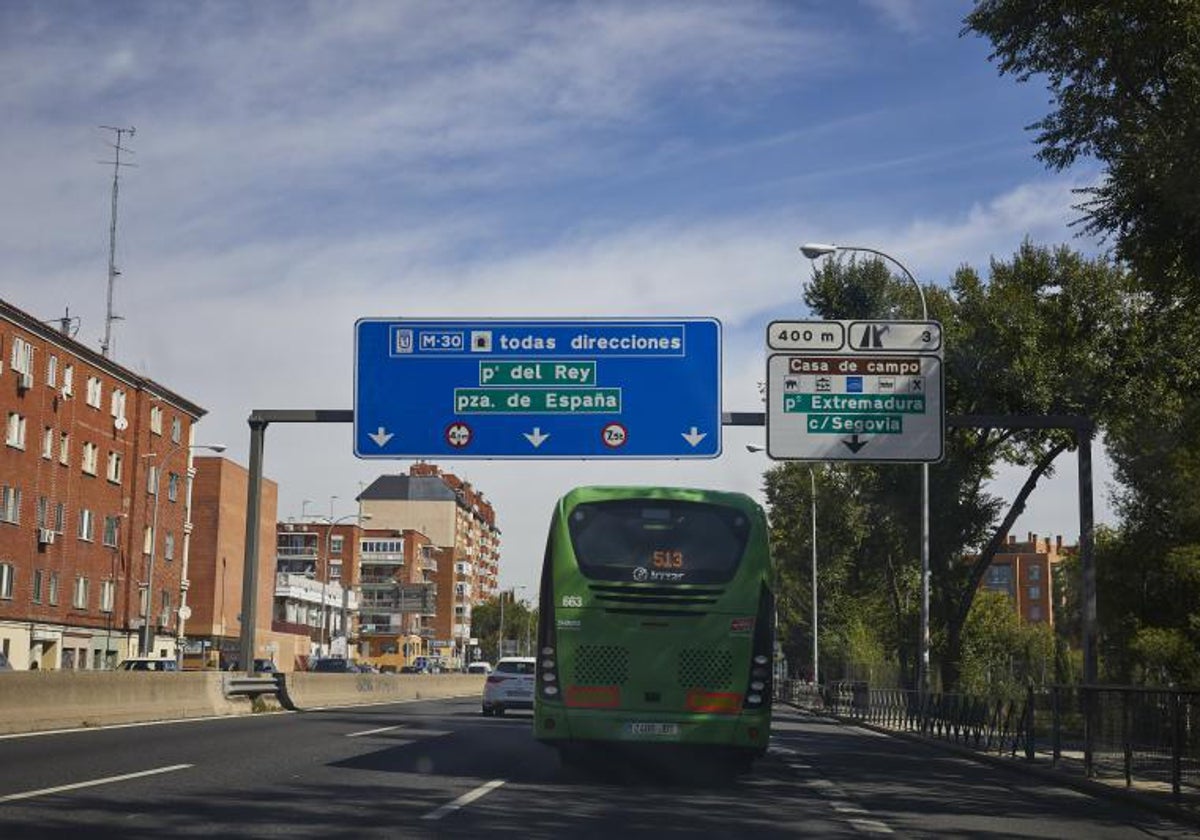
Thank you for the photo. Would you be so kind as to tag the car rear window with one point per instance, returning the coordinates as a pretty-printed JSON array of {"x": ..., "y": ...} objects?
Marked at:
[{"x": 515, "y": 668}]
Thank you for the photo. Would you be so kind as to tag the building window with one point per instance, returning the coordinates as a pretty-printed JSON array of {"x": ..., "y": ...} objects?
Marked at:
[
  {"x": 147, "y": 539},
  {"x": 1035, "y": 612},
  {"x": 68, "y": 381},
  {"x": 335, "y": 544},
  {"x": 117, "y": 403},
  {"x": 60, "y": 517},
  {"x": 156, "y": 419},
  {"x": 169, "y": 546},
  {"x": 1000, "y": 578},
  {"x": 91, "y": 454},
  {"x": 64, "y": 448},
  {"x": 15, "y": 435},
  {"x": 6, "y": 580},
  {"x": 42, "y": 506},
  {"x": 95, "y": 392},
  {"x": 114, "y": 467},
  {"x": 112, "y": 527},
  {"x": 152, "y": 480},
  {"x": 1035, "y": 593},
  {"x": 22, "y": 356},
  {"x": 10, "y": 504},
  {"x": 173, "y": 486},
  {"x": 47, "y": 443},
  {"x": 53, "y": 594},
  {"x": 37, "y": 586},
  {"x": 108, "y": 591},
  {"x": 79, "y": 596},
  {"x": 1035, "y": 572},
  {"x": 176, "y": 429},
  {"x": 86, "y": 525},
  {"x": 52, "y": 371}
]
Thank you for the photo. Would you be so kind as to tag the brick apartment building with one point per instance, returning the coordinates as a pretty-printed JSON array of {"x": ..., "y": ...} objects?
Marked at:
[
  {"x": 1025, "y": 572},
  {"x": 461, "y": 558},
  {"x": 94, "y": 457}
]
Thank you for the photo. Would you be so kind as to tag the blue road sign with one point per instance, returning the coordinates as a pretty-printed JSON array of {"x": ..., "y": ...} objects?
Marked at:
[{"x": 537, "y": 388}]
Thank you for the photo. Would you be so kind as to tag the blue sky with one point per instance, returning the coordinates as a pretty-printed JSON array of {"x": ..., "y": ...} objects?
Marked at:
[{"x": 301, "y": 166}]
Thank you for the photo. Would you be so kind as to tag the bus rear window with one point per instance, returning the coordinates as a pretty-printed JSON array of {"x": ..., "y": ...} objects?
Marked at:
[{"x": 658, "y": 540}]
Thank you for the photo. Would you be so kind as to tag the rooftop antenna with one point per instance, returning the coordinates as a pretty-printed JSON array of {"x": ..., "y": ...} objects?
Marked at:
[{"x": 112, "y": 231}]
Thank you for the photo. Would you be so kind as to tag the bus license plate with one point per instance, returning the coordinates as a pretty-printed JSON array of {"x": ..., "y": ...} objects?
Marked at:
[{"x": 654, "y": 729}]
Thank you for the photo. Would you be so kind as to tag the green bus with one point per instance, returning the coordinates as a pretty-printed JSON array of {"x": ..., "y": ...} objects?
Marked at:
[{"x": 656, "y": 622}]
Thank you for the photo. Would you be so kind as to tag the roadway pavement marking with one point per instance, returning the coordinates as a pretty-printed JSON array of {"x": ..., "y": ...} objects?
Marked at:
[
  {"x": 466, "y": 799},
  {"x": 373, "y": 731},
  {"x": 871, "y": 826},
  {"x": 31, "y": 794}
]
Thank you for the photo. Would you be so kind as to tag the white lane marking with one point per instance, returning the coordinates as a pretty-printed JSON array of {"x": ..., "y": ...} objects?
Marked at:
[
  {"x": 30, "y": 794},
  {"x": 847, "y": 807},
  {"x": 373, "y": 731},
  {"x": 871, "y": 826},
  {"x": 466, "y": 799}
]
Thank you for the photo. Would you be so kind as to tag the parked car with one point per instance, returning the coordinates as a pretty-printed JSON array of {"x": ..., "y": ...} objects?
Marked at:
[
  {"x": 509, "y": 686},
  {"x": 333, "y": 665},
  {"x": 265, "y": 666},
  {"x": 5, "y": 665},
  {"x": 148, "y": 663},
  {"x": 479, "y": 668}
]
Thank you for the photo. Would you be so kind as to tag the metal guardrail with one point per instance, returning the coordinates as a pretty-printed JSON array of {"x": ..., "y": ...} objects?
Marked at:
[{"x": 1147, "y": 738}]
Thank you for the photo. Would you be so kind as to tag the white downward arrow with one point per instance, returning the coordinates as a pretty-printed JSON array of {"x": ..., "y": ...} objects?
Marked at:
[
  {"x": 694, "y": 436},
  {"x": 381, "y": 436},
  {"x": 536, "y": 438}
]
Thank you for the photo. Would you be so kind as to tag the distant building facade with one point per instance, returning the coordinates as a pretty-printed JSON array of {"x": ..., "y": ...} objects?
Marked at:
[
  {"x": 461, "y": 557},
  {"x": 1025, "y": 571},
  {"x": 316, "y": 566},
  {"x": 94, "y": 517}
]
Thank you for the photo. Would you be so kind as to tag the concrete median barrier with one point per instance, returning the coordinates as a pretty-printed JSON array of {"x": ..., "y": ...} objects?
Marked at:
[
  {"x": 34, "y": 701},
  {"x": 303, "y": 690}
]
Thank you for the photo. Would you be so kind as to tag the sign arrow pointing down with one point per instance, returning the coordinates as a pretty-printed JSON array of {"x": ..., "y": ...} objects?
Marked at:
[
  {"x": 694, "y": 436},
  {"x": 854, "y": 444},
  {"x": 536, "y": 437},
  {"x": 381, "y": 436}
]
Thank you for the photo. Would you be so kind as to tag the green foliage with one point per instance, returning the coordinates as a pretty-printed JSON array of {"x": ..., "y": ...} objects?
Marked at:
[
  {"x": 520, "y": 624},
  {"x": 1000, "y": 655},
  {"x": 1125, "y": 80}
]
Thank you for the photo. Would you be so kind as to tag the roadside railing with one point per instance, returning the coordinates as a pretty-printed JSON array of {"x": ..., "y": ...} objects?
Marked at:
[{"x": 1143, "y": 738}]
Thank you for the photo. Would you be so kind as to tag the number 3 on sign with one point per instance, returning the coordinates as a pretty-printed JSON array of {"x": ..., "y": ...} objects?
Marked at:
[{"x": 614, "y": 435}]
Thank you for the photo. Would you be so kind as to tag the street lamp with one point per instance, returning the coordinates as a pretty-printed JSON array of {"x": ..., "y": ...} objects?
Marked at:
[
  {"x": 816, "y": 250},
  {"x": 325, "y": 577},
  {"x": 812, "y": 479},
  {"x": 148, "y": 626}
]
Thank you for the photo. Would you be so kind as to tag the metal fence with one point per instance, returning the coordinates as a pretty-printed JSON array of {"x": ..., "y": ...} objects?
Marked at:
[{"x": 1145, "y": 738}]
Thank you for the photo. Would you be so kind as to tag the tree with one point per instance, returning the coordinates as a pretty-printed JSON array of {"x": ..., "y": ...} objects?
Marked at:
[{"x": 1125, "y": 78}]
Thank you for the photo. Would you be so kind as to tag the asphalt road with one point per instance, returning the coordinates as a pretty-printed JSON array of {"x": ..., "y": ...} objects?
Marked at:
[{"x": 438, "y": 768}]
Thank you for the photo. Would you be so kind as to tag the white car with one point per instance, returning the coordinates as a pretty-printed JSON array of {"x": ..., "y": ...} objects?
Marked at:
[{"x": 510, "y": 685}]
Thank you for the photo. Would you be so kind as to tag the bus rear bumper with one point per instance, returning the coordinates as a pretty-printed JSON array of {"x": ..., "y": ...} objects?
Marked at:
[{"x": 748, "y": 730}]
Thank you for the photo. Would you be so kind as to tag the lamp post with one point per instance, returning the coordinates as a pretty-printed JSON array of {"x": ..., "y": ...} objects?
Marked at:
[
  {"x": 148, "y": 626},
  {"x": 816, "y": 250},
  {"x": 500, "y": 635},
  {"x": 527, "y": 615},
  {"x": 812, "y": 479}
]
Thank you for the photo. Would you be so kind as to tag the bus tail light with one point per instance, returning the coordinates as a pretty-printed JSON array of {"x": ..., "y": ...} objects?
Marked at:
[
  {"x": 547, "y": 653},
  {"x": 759, "y": 679}
]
